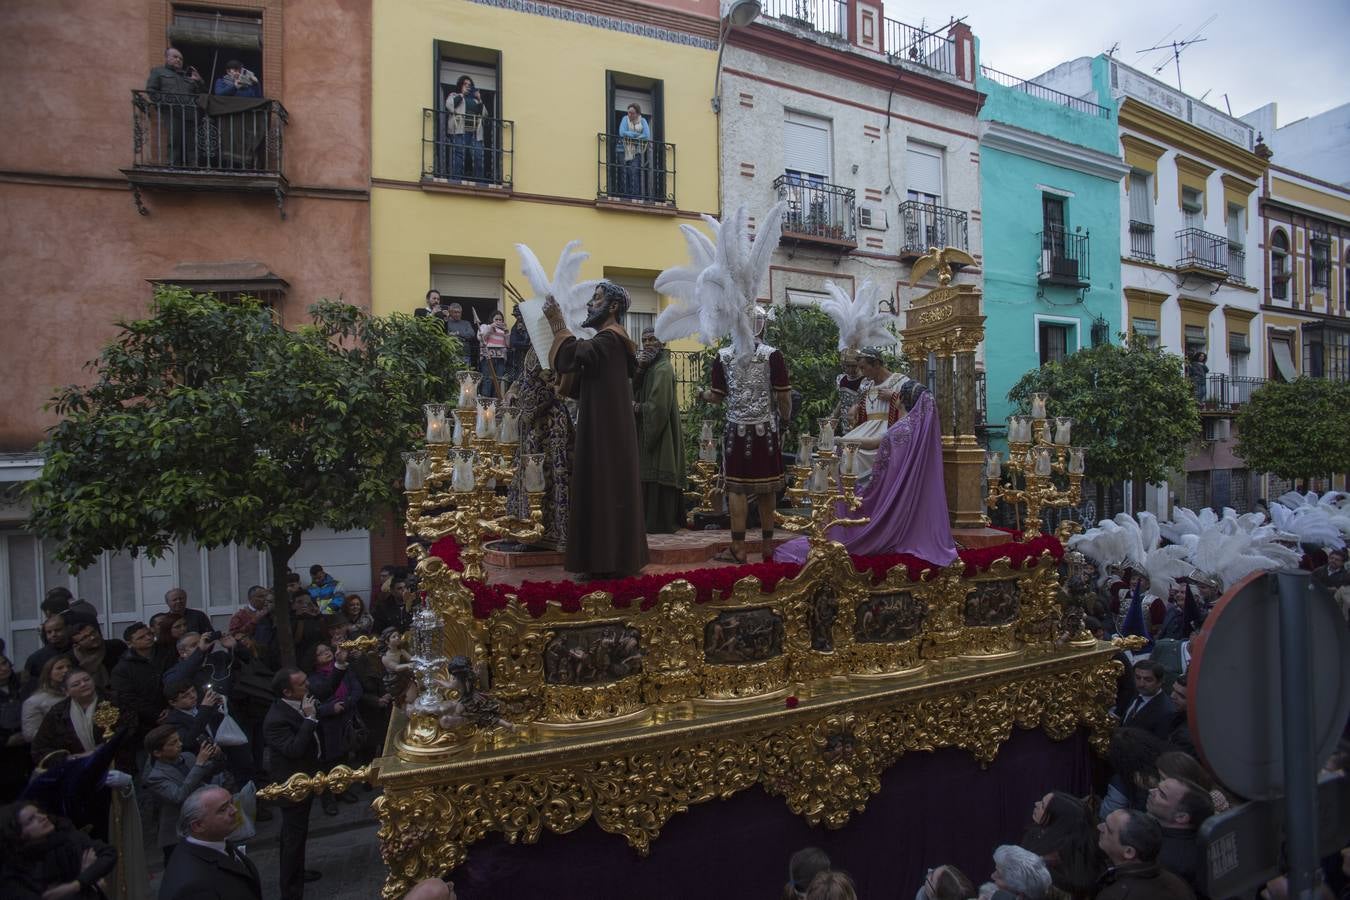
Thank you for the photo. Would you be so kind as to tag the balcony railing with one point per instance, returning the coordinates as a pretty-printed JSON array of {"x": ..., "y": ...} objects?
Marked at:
[
  {"x": 927, "y": 225},
  {"x": 818, "y": 212},
  {"x": 476, "y": 153},
  {"x": 635, "y": 171},
  {"x": 1227, "y": 391},
  {"x": 1237, "y": 263},
  {"x": 1141, "y": 240},
  {"x": 824, "y": 16},
  {"x": 1202, "y": 253},
  {"x": 1042, "y": 92},
  {"x": 1064, "y": 258},
  {"x": 199, "y": 133},
  {"x": 905, "y": 43}
]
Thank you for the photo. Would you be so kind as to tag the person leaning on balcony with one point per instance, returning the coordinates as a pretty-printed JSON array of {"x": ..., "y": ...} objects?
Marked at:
[
  {"x": 237, "y": 82},
  {"x": 465, "y": 128},
  {"x": 171, "y": 88},
  {"x": 637, "y": 136},
  {"x": 1198, "y": 372}
]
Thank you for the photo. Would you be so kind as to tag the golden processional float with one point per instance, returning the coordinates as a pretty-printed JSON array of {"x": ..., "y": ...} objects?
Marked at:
[{"x": 547, "y": 713}]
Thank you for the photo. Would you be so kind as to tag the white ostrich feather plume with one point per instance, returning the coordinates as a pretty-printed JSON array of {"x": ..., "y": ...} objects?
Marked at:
[
  {"x": 1312, "y": 524},
  {"x": 571, "y": 294},
  {"x": 1123, "y": 541},
  {"x": 1229, "y": 547},
  {"x": 860, "y": 323},
  {"x": 715, "y": 296}
]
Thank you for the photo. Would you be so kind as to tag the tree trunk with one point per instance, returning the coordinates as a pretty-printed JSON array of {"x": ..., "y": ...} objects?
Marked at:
[{"x": 281, "y": 599}]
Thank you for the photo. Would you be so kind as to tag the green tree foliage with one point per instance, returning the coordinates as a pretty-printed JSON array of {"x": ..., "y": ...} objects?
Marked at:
[
  {"x": 1298, "y": 429},
  {"x": 209, "y": 421},
  {"x": 1134, "y": 411}
]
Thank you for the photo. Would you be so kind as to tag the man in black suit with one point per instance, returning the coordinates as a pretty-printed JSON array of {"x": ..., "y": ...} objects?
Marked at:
[
  {"x": 204, "y": 866},
  {"x": 289, "y": 730},
  {"x": 1152, "y": 710}
]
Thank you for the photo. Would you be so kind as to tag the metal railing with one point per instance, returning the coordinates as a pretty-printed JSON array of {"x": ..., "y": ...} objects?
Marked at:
[
  {"x": 1200, "y": 249},
  {"x": 629, "y": 169},
  {"x": 1042, "y": 92},
  {"x": 905, "y": 43},
  {"x": 824, "y": 16},
  {"x": 455, "y": 152},
  {"x": 204, "y": 134},
  {"x": 817, "y": 210},
  {"x": 1064, "y": 257},
  {"x": 1141, "y": 240},
  {"x": 1230, "y": 390},
  {"x": 1237, "y": 263},
  {"x": 926, "y": 225}
]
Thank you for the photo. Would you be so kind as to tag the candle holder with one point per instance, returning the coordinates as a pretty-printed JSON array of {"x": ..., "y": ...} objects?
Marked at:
[
  {"x": 705, "y": 477},
  {"x": 468, "y": 387},
  {"x": 830, "y": 497},
  {"x": 1041, "y": 470}
]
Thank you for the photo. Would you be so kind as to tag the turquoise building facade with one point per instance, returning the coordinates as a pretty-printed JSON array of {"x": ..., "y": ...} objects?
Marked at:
[{"x": 1050, "y": 173}]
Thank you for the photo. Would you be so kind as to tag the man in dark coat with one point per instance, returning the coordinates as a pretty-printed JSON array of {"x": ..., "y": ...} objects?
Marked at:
[
  {"x": 605, "y": 531},
  {"x": 289, "y": 730},
  {"x": 660, "y": 442},
  {"x": 1151, "y": 710},
  {"x": 136, "y": 680},
  {"x": 205, "y": 866},
  {"x": 1181, "y": 807},
  {"x": 1131, "y": 841},
  {"x": 174, "y": 111}
]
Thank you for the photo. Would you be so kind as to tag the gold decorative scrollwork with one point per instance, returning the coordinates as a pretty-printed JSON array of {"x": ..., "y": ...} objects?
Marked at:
[{"x": 299, "y": 786}]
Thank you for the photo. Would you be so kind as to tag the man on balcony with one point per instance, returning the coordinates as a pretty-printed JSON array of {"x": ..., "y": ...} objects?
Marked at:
[
  {"x": 173, "y": 111},
  {"x": 237, "y": 82}
]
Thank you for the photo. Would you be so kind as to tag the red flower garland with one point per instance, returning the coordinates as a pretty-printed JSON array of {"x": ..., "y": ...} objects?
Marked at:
[{"x": 716, "y": 583}]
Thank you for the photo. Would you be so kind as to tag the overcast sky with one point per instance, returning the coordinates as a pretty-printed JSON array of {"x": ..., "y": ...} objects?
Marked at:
[{"x": 1255, "y": 51}]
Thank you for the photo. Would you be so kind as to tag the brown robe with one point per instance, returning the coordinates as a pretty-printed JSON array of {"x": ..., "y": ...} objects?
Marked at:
[{"x": 606, "y": 532}]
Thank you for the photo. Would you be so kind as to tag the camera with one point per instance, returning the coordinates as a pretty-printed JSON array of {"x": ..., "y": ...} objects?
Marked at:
[{"x": 246, "y": 78}]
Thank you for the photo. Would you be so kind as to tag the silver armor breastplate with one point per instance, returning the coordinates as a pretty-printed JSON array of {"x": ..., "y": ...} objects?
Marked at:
[{"x": 749, "y": 387}]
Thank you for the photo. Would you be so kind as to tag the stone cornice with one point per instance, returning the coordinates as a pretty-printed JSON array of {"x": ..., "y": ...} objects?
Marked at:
[
  {"x": 1238, "y": 314},
  {"x": 1011, "y": 139},
  {"x": 1196, "y": 305},
  {"x": 1180, "y": 135}
]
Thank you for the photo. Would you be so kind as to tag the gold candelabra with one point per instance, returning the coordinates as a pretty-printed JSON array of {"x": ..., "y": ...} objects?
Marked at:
[
  {"x": 1038, "y": 453},
  {"x": 452, "y": 485},
  {"x": 829, "y": 481},
  {"x": 705, "y": 475}
]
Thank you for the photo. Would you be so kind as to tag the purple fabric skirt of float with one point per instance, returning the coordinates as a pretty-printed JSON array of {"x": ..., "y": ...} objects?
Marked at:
[
  {"x": 906, "y": 500},
  {"x": 752, "y": 463}
]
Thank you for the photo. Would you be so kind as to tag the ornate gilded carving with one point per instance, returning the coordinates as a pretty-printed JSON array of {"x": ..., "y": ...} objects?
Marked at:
[{"x": 300, "y": 785}]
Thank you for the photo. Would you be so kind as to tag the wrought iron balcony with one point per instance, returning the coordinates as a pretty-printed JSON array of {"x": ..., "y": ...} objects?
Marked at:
[
  {"x": 1203, "y": 254},
  {"x": 926, "y": 225},
  {"x": 916, "y": 46},
  {"x": 1237, "y": 263},
  {"x": 478, "y": 156},
  {"x": 818, "y": 213},
  {"x": 823, "y": 16},
  {"x": 1064, "y": 258},
  {"x": 199, "y": 142},
  {"x": 633, "y": 171},
  {"x": 1141, "y": 240},
  {"x": 1042, "y": 92},
  {"x": 1228, "y": 391}
]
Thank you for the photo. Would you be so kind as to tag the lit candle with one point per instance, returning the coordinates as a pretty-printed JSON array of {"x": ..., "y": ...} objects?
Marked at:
[
  {"x": 1038, "y": 405},
  {"x": 508, "y": 428},
  {"x": 827, "y": 435},
  {"x": 1043, "y": 462},
  {"x": 462, "y": 477},
  {"x": 437, "y": 430},
  {"x": 486, "y": 426},
  {"x": 993, "y": 465},
  {"x": 706, "y": 431},
  {"x": 707, "y": 451},
  {"x": 414, "y": 472},
  {"x": 1076, "y": 461},
  {"x": 1062, "y": 427},
  {"x": 534, "y": 473},
  {"x": 849, "y": 465},
  {"x": 805, "y": 444},
  {"x": 820, "y": 476},
  {"x": 468, "y": 386}
]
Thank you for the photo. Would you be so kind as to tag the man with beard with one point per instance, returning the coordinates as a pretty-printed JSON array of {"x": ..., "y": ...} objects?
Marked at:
[
  {"x": 605, "y": 533},
  {"x": 661, "y": 465}
]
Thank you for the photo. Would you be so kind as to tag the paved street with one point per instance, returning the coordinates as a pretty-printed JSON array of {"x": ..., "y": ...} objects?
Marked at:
[{"x": 343, "y": 847}]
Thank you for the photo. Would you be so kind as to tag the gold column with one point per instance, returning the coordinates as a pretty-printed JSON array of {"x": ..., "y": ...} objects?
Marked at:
[
  {"x": 965, "y": 461},
  {"x": 945, "y": 389}
]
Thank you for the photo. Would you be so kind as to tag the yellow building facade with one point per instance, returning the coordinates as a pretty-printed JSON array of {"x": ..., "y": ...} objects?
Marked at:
[{"x": 541, "y": 161}]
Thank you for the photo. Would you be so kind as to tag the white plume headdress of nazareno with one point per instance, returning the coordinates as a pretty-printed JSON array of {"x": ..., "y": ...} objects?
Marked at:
[
  {"x": 1227, "y": 548},
  {"x": 714, "y": 295},
  {"x": 1122, "y": 541},
  {"x": 861, "y": 323},
  {"x": 1313, "y": 519},
  {"x": 571, "y": 294}
]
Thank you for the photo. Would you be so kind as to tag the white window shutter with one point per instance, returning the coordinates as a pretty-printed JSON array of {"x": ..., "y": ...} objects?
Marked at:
[
  {"x": 806, "y": 145},
  {"x": 923, "y": 170},
  {"x": 1141, "y": 200}
]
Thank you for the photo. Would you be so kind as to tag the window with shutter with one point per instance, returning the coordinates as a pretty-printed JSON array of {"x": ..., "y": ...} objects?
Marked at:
[
  {"x": 1141, "y": 199},
  {"x": 806, "y": 147},
  {"x": 923, "y": 173}
]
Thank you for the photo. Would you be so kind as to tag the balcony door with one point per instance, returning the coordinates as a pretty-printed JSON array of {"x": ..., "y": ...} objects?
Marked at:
[
  {"x": 635, "y": 170},
  {"x": 923, "y": 185},
  {"x": 210, "y": 38},
  {"x": 454, "y": 61}
]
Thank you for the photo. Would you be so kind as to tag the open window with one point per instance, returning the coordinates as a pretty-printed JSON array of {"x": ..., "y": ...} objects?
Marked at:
[
  {"x": 209, "y": 38},
  {"x": 471, "y": 142},
  {"x": 1279, "y": 265},
  {"x": 636, "y": 163}
]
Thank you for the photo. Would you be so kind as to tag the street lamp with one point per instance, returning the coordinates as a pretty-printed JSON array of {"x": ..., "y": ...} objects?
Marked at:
[{"x": 735, "y": 14}]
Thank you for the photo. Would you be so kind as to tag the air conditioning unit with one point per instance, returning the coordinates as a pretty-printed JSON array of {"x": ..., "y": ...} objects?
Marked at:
[{"x": 872, "y": 217}]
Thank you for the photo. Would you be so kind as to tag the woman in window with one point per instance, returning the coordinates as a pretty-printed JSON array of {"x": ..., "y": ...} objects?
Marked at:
[
  {"x": 493, "y": 339},
  {"x": 637, "y": 137}
]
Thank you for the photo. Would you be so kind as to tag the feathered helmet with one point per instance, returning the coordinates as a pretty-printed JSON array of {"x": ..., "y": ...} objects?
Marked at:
[
  {"x": 715, "y": 293},
  {"x": 1313, "y": 519},
  {"x": 1227, "y": 548},
  {"x": 863, "y": 329},
  {"x": 571, "y": 294},
  {"x": 1123, "y": 543}
]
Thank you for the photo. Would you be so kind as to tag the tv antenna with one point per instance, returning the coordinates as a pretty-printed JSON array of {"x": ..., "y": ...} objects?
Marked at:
[
  {"x": 1112, "y": 52},
  {"x": 1177, "y": 47}
]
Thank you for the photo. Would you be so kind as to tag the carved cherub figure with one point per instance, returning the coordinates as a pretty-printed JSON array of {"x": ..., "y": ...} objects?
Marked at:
[
  {"x": 464, "y": 703},
  {"x": 398, "y": 668}
]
